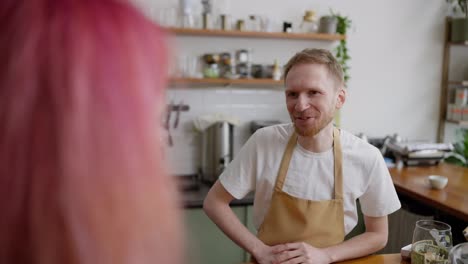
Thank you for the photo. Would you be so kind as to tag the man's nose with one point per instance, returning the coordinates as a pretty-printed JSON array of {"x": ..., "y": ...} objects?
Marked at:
[{"x": 301, "y": 104}]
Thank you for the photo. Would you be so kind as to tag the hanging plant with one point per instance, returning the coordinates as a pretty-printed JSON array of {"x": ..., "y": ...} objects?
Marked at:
[{"x": 341, "y": 51}]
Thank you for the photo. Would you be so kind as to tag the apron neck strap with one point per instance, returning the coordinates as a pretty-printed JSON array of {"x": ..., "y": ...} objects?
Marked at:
[
  {"x": 285, "y": 162},
  {"x": 338, "y": 161}
]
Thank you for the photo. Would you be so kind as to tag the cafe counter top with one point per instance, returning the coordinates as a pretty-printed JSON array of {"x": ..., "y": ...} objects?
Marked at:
[
  {"x": 378, "y": 259},
  {"x": 453, "y": 199},
  {"x": 411, "y": 181}
]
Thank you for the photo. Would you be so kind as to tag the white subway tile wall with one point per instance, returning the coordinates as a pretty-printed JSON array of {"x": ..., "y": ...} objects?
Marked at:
[{"x": 246, "y": 104}]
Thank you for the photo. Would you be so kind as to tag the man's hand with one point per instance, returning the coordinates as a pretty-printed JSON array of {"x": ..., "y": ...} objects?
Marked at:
[
  {"x": 267, "y": 254},
  {"x": 295, "y": 253}
]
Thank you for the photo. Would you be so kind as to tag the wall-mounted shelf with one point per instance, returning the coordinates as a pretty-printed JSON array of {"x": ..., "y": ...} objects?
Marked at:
[
  {"x": 225, "y": 82},
  {"x": 448, "y": 86},
  {"x": 458, "y": 83},
  {"x": 459, "y": 122},
  {"x": 258, "y": 83},
  {"x": 460, "y": 43},
  {"x": 252, "y": 34}
]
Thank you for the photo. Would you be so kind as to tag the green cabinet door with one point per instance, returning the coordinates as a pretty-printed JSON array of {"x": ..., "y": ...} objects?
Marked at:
[
  {"x": 206, "y": 243},
  {"x": 360, "y": 226},
  {"x": 250, "y": 225},
  {"x": 249, "y": 219}
]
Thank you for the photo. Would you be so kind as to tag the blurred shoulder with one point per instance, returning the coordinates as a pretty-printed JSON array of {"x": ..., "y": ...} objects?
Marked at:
[
  {"x": 356, "y": 147},
  {"x": 274, "y": 134}
]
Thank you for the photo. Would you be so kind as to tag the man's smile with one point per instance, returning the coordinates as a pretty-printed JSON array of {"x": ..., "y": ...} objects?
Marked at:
[
  {"x": 302, "y": 117},
  {"x": 304, "y": 120}
]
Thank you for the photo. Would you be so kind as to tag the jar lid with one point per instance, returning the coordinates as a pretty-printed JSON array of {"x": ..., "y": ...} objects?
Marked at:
[{"x": 309, "y": 15}]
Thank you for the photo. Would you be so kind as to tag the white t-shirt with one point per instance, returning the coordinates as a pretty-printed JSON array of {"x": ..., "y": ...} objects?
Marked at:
[{"x": 310, "y": 175}]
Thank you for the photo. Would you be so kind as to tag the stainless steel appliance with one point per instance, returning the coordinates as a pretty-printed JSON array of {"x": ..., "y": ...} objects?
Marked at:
[
  {"x": 418, "y": 153},
  {"x": 217, "y": 150}
]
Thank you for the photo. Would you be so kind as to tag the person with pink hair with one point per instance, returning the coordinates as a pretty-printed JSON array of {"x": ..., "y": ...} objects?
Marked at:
[{"x": 82, "y": 171}]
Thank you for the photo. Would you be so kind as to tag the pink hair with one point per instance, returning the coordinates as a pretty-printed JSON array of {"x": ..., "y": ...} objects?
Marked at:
[{"x": 82, "y": 174}]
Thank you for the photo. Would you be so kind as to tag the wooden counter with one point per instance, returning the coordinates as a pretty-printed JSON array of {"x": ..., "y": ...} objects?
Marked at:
[
  {"x": 378, "y": 259},
  {"x": 453, "y": 199}
]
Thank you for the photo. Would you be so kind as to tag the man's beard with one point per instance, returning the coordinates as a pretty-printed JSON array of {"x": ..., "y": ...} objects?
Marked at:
[{"x": 315, "y": 129}]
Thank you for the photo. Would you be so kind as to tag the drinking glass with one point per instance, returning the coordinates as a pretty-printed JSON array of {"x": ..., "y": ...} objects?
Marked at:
[
  {"x": 459, "y": 254},
  {"x": 165, "y": 17},
  {"x": 432, "y": 241}
]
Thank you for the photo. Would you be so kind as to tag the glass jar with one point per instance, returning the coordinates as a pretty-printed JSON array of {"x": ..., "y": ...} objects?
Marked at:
[
  {"x": 211, "y": 71},
  {"x": 309, "y": 24},
  {"x": 432, "y": 241},
  {"x": 253, "y": 23},
  {"x": 459, "y": 254}
]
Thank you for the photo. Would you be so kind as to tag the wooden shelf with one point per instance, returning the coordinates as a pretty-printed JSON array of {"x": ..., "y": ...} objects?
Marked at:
[
  {"x": 459, "y": 43},
  {"x": 225, "y": 82},
  {"x": 458, "y": 83},
  {"x": 252, "y": 34},
  {"x": 459, "y": 122}
]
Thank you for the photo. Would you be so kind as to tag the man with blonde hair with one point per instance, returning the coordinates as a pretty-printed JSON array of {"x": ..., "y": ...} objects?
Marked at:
[{"x": 307, "y": 176}]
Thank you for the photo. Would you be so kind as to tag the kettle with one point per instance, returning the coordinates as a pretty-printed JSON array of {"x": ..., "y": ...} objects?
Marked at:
[{"x": 217, "y": 150}]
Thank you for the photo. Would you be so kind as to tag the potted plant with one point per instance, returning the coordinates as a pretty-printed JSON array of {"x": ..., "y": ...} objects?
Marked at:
[
  {"x": 328, "y": 25},
  {"x": 459, "y": 28},
  {"x": 459, "y": 156}
]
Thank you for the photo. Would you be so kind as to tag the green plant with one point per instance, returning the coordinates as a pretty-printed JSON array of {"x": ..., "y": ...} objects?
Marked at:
[
  {"x": 341, "y": 51},
  {"x": 459, "y": 156},
  {"x": 461, "y": 5}
]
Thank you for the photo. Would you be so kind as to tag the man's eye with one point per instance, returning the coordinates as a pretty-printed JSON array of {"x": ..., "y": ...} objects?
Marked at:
[
  {"x": 292, "y": 95},
  {"x": 313, "y": 93}
]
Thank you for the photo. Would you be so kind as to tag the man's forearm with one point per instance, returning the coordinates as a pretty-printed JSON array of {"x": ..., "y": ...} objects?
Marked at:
[
  {"x": 223, "y": 216},
  {"x": 359, "y": 246}
]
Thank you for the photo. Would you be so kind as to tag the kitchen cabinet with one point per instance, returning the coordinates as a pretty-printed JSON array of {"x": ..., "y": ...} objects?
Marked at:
[
  {"x": 270, "y": 83},
  {"x": 206, "y": 243},
  {"x": 448, "y": 86},
  {"x": 250, "y": 225}
]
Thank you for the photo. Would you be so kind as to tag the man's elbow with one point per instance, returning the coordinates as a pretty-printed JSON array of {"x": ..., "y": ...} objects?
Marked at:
[
  {"x": 207, "y": 205},
  {"x": 210, "y": 205},
  {"x": 216, "y": 200},
  {"x": 381, "y": 241}
]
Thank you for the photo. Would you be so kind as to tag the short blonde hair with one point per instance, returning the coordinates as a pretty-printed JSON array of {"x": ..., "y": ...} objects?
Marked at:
[{"x": 317, "y": 56}]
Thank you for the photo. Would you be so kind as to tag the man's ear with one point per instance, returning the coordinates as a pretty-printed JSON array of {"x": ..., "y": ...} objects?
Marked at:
[{"x": 341, "y": 98}]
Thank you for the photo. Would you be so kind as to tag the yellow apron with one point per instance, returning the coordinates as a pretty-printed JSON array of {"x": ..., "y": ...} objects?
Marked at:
[{"x": 290, "y": 219}]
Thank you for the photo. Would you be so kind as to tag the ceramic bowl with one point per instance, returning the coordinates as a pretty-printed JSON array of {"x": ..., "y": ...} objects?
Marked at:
[{"x": 437, "y": 181}]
